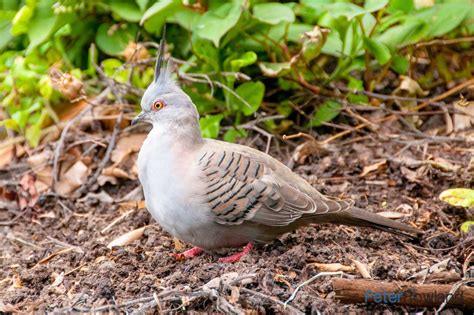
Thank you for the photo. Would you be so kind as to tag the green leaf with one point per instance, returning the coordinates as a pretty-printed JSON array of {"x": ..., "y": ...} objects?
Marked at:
[
  {"x": 245, "y": 60},
  {"x": 159, "y": 7},
  {"x": 206, "y": 51},
  {"x": 400, "y": 64},
  {"x": 127, "y": 10},
  {"x": 345, "y": 9},
  {"x": 21, "y": 20},
  {"x": 443, "y": 18},
  {"x": 358, "y": 85},
  {"x": 142, "y": 4},
  {"x": 274, "y": 69},
  {"x": 112, "y": 39},
  {"x": 466, "y": 226},
  {"x": 203, "y": 101},
  {"x": 216, "y": 22},
  {"x": 5, "y": 32},
  {"x": 333, "y": 45},
  {"x": 111, "y": 66},
  {"x": 374, "y": 5},
  {"x": 45, "y": 87},
  {"x": 458, "y": 197},
  {"x": 253, "y": 93},
  {"x": 10, "y": 124},
  {"x": 44, "y": 23},
  {"x": 233, "y": 134},
  {"x": 292, "y": 31},
  {"x": 405, "y": 6},
  {"x": 210, "y": 125},
  {"x": 33, "y": 134},
  {"x": 187, "y": 19},
  {"x": 273, "y": 13},
  {"x": 404, "y": 34},
  {"x": 379, "y": 50},
  {"x": 21, "y": 118},
  {"x": 326, "y": 112}
]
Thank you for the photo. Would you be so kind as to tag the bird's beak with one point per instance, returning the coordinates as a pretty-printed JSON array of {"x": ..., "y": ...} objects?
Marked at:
[{"x": 138, "y": 118}]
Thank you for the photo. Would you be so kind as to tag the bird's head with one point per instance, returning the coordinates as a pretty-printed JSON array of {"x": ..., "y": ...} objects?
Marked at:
[{"x": 164, "y": 101}]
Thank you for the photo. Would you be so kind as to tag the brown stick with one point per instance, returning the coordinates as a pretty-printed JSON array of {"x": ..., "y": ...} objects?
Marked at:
[{"x": 402, "y": 293}]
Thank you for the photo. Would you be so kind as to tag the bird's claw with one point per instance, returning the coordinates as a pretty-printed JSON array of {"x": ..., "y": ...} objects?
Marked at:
[
  {"x": 237, "y": 256},
  {"x": 193, "y": 252}
]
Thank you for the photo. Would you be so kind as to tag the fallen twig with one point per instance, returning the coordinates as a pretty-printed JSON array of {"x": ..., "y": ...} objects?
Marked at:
[
  {"x": 408, "y": 294},
  {"x": 60, "y": 144},
  {"x": 444, "y": 42},
  {"x": 321, "y": 274},
  {"x": 106, "y": 158},
  {"x": 266, "y": 297},
  {"x": 123, "y": 216}
]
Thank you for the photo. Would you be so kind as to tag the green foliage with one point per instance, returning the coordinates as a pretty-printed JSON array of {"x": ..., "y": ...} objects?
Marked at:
[
  {"x": 277, "y": 45},
  {"x": 459, "y": 197},
  {"x": 326, "y": 112}
]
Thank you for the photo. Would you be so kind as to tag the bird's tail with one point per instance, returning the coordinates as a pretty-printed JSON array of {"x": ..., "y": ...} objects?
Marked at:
[{"x": 359, "y": 217}]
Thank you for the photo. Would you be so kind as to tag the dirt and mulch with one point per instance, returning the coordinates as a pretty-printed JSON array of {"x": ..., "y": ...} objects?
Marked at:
[{"x": 58, "y": 253}]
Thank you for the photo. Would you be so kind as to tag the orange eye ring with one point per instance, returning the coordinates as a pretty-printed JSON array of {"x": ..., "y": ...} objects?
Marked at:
[{"x": 157, "y": 105}]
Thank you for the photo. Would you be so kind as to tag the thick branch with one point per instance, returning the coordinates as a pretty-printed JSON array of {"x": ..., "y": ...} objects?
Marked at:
[{"x": 402, "y": 293}]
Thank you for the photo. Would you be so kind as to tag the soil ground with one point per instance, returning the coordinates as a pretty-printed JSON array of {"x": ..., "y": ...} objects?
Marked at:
[{"x": 84, "y": 275}]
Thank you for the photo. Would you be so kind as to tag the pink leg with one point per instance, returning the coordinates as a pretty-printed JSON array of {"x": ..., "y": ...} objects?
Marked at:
[
  {"x": 236, "y": 257},
  {"x": 193, "y": 252}
]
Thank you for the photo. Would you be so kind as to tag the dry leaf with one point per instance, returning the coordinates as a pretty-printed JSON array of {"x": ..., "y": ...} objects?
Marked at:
[
  {"x": 411, "y": 88},
  {"x": 132, "y": 204},
  {"x": 178, "y": 245},
  {"x": 103, "y": 179},
  {"x": 436, "y": 268},
  {"x": 17, "y": 283},
  {"x": 215, "y": 283},
  {"x": 333, "y": 267},
  {"x": 67, "y": 84},
  {"x": 102, "y": 196},
  {"x": 43, "y": 171},
  {"x": 70, "y": 110},
  {"x": 100, "y": 259},
  {"x": 127, "y": 238},
  {"x": 6, "y": 155},
  {"x": 392, "y": 214},
  {"x": 443, "y": 165},
  {"x": 58, "y": 279},
  {"x": 464, "y": 116},
  {"x": 60, "y": 252},
  {"x": 49, "y": 215},
  {"x": 234, "y": 294},
  {"x": 362, "y": 268},
  {"x": 27, "y": 193},
  {"x": 373, "y": 167},
  {"x": 116, "y": 172},
  {"x": 72, "y": 179},
  {"x": 8, "y": 308},
  {"x": 135, "y": 51},
  {"x": 450, "y": 276},
  {"x": 126, "y": 145}
]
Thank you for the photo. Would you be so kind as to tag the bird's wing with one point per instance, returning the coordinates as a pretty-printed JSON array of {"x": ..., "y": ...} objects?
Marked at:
[{"x": 240, "y": 187}]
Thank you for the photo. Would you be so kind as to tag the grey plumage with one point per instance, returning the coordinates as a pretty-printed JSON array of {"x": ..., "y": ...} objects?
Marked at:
[{"x": 214, "y": 194}]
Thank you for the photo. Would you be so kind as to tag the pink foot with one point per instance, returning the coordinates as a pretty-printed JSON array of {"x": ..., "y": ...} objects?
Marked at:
[
  {"x": 236, "y": 257},
  {"x": 193, "y": 252}
]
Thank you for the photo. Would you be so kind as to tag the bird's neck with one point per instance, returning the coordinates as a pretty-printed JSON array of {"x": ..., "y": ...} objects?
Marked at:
[{"x": 174, "y": 133}]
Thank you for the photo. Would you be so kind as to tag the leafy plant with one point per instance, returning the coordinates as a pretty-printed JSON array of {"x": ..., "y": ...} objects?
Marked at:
[
  {"x": 460, "y": 197},
  {"x": 236, "y": 52}
]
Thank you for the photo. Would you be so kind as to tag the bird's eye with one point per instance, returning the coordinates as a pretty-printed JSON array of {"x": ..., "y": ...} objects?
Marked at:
[{"x": 157, "y": 105}]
